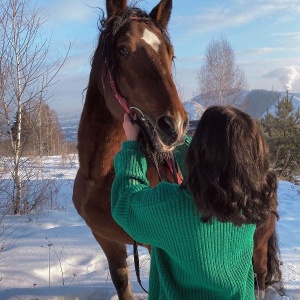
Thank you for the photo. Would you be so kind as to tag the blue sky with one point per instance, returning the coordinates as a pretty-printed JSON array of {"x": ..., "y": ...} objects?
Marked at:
[{"x": 264, "y": 34}]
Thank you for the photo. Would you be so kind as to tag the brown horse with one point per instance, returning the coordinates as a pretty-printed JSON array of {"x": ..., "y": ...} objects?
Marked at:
[{"x": 134, "y": 59}]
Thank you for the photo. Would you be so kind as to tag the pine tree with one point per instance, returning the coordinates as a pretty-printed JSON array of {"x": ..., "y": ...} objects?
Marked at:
[{"x": 282, "y": 132}]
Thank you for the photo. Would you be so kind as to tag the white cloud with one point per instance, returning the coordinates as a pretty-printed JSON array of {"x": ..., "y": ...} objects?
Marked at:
[
  {"x": 286, "y": 75},
  {"x": 236, "y": 13},
  {"x": 294, "y": 36},
  {"x": 74, "y": 11}
]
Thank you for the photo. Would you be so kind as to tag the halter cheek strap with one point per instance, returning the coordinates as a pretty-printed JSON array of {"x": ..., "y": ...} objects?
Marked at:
[{"x": 117, "y": 95}]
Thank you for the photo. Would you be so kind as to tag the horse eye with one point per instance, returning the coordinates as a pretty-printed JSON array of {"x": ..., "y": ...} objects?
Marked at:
[{"x": 123, "y": 51}]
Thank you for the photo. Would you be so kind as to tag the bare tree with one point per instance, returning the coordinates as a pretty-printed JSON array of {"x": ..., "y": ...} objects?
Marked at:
[
  {"x": 25, "y": 73},
  {"x": 41, "y": 132},
  {"x": 221, "y": 81}
]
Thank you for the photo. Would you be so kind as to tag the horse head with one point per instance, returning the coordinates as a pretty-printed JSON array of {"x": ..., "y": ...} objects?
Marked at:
[{"x": 136, "y": 63}]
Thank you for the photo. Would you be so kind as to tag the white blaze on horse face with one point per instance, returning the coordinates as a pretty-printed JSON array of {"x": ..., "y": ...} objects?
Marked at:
[{"x": 151, "y": 39}]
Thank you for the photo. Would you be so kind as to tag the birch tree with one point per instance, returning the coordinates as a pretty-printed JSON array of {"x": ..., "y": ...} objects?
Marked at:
[
  {"x": 220, "y": 79},
  {"x": 25, "y": 74}
]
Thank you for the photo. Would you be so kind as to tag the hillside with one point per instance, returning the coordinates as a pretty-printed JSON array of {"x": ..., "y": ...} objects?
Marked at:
[{"x": 257, "y": 102}]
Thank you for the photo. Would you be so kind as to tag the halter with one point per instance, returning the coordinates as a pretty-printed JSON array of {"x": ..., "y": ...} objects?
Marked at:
[{"x": 141, "y": 123}]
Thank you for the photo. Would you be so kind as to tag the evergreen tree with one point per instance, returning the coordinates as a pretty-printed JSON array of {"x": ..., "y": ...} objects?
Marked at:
[{"x": 282, "y": 132}]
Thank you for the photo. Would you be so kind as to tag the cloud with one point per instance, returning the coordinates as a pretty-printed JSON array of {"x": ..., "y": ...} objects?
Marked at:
[
  {"x": 260, "y": 51},
  {"x": 286, "y": 75},
  {"x": 294, "y": 36},
  {"x": 235, "y": 13},
  {"x": 72, "y": 11}
]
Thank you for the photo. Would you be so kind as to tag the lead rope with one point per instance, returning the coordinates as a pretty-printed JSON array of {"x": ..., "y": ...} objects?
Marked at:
[
  {"x": 137, "y": 265},
  {"x": 172, "y": 164}
]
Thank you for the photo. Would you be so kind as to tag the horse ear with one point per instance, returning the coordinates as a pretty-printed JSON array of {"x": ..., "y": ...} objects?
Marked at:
[
  {"x": 161, "y": 12},
  {"x": 115, "y": 6}
]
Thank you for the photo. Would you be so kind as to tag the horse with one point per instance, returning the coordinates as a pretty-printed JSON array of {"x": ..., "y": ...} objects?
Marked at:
[{"x": 131, "y": 71}]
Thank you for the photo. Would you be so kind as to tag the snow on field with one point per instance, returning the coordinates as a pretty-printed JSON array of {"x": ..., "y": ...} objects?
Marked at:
[{"x": 52, "y": 254}]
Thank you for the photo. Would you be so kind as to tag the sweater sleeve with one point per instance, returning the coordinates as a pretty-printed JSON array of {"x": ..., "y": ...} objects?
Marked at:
[
  {"x": 139, "y": 209},
  {"x": 180, "y": 153}
]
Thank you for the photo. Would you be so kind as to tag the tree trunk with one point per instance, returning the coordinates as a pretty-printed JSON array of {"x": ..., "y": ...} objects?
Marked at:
[{"x": 17, "y": 148}]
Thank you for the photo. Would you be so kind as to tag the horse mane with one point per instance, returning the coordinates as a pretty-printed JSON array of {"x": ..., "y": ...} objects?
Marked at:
[
  {"x": 119, "y": 20},
  {"x": 112, "y": 27}
]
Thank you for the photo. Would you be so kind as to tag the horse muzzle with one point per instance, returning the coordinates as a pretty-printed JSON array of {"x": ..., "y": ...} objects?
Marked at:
[
  {"x": 168, "y": 133},
  {"x": 164, "y": 134}
]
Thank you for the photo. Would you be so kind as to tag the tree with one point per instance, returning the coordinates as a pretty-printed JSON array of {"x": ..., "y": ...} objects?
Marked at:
[
  {"x": 41, "y": 133},
  {"x": 221, "y": 81},
  {"x": 25, "y": 74},
  {"x": 282, "y": 132}
]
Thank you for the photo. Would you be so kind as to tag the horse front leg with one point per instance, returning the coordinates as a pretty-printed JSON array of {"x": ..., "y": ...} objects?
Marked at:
[
  {"x": 116, "y": 255},
  {"x": 260, "y": 258},
  {"x": 260, "y": 268}
]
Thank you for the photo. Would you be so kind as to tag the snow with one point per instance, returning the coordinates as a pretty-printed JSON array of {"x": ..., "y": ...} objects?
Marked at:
[
  {"x": 194, "y": 109},
  {"x": 52, "y": 255}
]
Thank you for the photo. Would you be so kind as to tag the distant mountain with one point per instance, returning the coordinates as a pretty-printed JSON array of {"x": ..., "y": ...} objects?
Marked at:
[
  {"x": 69, "y": 125},
  {"x": 194, "y": 109},
  {"x": 257, "y": 102}
]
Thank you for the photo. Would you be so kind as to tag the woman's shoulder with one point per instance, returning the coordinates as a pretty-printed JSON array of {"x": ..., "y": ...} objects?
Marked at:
[{"x": 165, "y": 193}]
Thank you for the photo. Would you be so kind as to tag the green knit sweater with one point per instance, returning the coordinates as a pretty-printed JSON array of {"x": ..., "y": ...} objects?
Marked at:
[{"x": 190, "y": 259}]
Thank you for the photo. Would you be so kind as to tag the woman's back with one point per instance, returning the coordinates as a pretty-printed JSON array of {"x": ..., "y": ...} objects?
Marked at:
[{"x": 191, "y": 259}]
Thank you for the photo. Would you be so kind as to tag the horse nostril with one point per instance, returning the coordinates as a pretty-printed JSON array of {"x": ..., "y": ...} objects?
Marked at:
[{"x": 166, "y": 125}]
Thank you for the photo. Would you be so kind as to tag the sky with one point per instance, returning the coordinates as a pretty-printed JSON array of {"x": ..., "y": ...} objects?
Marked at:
[
  {"x": 51, "y": 255},
  {"x": 264, "y": 35}
]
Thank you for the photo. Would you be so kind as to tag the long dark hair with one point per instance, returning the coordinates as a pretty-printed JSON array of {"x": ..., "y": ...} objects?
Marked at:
[{"x": 227, "y": 167}]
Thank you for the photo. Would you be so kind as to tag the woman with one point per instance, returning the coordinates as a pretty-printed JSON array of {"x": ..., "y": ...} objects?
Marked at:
[{"x": 201, "y": 232}]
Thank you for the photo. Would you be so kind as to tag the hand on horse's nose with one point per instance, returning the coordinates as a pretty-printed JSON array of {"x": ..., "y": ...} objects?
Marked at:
[{"x": 167, "y": 126}]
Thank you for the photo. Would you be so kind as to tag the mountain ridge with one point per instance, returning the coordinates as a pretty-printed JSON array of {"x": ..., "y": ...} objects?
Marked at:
[{"x": 255, "y": 102}]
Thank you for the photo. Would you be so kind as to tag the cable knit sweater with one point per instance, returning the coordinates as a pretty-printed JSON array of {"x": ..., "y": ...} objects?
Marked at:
[{"x": 190, "y": 260}]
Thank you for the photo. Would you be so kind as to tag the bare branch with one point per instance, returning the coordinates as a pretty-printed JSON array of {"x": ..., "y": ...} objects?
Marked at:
[{"x": 220, "y": 80}]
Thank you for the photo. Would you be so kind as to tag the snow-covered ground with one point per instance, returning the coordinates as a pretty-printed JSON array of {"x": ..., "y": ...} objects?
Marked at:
[{"x": 52, "y": 254}]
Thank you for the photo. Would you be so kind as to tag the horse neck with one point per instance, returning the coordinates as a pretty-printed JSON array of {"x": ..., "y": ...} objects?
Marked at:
[{"x": 95, "y": 107}]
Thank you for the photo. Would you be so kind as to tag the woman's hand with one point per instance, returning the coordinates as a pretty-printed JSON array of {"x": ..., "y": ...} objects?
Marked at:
[{"x": 131, "y": 130}]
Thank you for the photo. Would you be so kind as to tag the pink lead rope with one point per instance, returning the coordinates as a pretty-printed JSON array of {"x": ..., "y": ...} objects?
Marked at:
[{"x": 117, "y": 95}]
